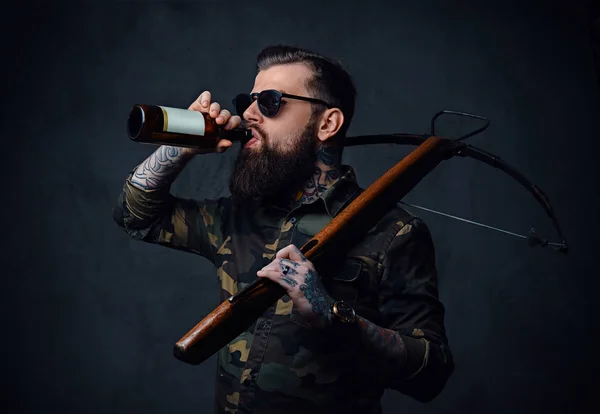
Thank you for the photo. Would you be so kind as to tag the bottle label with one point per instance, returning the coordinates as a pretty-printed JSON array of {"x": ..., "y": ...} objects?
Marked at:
[{"x": 182, "y": 121}]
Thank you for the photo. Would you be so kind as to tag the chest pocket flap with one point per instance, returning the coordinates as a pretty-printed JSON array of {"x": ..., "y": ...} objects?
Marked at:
[{"x": 343, "y": 285}]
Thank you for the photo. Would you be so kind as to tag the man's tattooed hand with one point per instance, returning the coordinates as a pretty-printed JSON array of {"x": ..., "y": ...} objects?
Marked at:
[{"x": 294, "y": 272}]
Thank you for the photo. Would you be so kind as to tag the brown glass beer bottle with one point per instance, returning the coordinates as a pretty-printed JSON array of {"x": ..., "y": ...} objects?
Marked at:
[{"x": 161, "y": 125}]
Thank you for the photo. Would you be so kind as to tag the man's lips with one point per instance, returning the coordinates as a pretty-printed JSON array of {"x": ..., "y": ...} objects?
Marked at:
[
  {"x": 255, "y": 132},
  {"x": 250, "y": 143},
  {"x": 255, "y": 138}
]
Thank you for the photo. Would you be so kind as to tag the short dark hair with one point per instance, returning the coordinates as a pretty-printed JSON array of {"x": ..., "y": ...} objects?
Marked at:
[{"x": 330, "y": 81}]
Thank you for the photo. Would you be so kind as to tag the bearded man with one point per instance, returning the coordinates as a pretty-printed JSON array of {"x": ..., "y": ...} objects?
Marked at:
[{"x": 346, "y": 330}]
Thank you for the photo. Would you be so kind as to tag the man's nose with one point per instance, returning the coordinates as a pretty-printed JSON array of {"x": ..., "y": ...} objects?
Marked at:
[{"x": 252, "y": 113}]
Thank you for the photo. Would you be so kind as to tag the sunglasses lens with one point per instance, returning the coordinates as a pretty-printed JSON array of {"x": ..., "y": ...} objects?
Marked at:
[
  {"x": 268, "y": 103},
  {"x": 241, "y": 103}
]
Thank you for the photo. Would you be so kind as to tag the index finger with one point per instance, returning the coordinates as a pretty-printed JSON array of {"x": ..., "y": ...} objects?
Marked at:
[
  {"x": 202, "y": 103},
  {"x": 291, "y": 252}
]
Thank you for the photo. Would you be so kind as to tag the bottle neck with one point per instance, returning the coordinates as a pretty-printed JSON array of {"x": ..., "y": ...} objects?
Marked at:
[{"x": 236, "y": 134}]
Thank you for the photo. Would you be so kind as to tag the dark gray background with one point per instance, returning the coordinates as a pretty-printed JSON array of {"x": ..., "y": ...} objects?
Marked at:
[{"x": 90, "y": 316}]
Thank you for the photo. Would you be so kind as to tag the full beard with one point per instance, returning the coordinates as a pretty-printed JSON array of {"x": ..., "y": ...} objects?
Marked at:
[{"x": 267, "y": 172}]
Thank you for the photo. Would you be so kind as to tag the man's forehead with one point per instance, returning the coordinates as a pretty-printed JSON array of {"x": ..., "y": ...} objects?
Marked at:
[{"x": 284, "y": 78}]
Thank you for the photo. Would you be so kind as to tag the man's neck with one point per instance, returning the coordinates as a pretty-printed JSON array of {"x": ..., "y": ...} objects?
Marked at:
[{"x": 327, "y": 172}]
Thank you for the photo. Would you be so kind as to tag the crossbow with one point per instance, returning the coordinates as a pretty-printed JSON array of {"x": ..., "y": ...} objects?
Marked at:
[{"x": 240, "y": 310}]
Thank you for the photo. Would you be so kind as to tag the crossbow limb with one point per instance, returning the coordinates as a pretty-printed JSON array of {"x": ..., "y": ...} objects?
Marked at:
[{"x": 457, "y": 147}]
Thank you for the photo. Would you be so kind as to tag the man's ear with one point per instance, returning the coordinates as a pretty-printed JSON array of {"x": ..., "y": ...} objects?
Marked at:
[{"x": 329, "y": 124}]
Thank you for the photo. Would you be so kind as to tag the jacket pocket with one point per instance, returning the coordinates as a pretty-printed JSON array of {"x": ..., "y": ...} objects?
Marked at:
[{"x": 344, "y": 285}]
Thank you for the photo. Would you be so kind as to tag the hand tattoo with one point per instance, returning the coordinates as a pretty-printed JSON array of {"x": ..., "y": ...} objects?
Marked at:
[
  {"x": 290, "y": 281},
  {"x": 288, "y": 262},
  {"x": 315, "y": 293},
  {"x": 291, "y": 271}
]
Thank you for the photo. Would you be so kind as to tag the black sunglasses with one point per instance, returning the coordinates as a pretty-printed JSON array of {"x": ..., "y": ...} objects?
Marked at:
[{"x": 269, "y": 101}]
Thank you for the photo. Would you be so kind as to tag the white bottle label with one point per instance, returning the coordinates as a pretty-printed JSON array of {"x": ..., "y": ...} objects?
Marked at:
[{"x": 182, "y": 121}]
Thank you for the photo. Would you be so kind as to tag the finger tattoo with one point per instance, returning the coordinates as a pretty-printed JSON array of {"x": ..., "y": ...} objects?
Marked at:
[
  {"x": 290, "y": 271},
  {"x": 290, "y": 281},
  {"x": 289, "y": 262}
]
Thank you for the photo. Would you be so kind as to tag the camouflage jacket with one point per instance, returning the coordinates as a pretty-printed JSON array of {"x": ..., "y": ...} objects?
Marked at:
[{"x": 281, "y": 364}]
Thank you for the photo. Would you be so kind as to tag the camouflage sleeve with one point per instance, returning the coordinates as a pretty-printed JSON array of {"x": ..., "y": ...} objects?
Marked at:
[
  {"x": 410, "y": 306},
  {"x": 156, "y": 216}
]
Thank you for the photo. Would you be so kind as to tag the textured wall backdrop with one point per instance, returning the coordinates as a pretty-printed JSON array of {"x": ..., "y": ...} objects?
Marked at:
[{"x": 90, "y": 316}]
